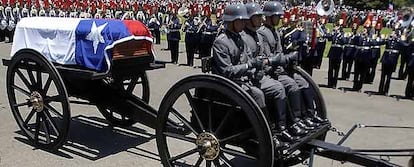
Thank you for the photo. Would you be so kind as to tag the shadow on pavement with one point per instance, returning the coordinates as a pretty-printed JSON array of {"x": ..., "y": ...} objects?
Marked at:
[{"x": 92, "y": 138}]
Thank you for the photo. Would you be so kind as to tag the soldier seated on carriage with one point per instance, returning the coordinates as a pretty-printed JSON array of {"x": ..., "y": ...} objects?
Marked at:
[
  {"x": 232, "y": 58},
  {"x": 299, "y": 93}
]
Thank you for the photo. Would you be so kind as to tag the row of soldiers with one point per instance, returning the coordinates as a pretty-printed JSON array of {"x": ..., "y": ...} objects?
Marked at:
[
  {"x": 363, "y": 50},
  {"x": 360, "y": 50}
]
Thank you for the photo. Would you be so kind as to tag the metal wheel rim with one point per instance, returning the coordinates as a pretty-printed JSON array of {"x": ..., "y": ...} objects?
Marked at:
[
  {"x": 117, "y": 119},
  {"x": 213, "y": 82}
]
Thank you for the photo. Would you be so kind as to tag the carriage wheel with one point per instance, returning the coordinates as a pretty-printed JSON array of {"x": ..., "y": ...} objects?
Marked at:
[
  {"x": 38, "y": 99},
  {"x": 143, "y": 91},
  {"x": 217, "y": 134},
  {"x": 319, "y": 106},
  {"x": 117, "y": 118}
]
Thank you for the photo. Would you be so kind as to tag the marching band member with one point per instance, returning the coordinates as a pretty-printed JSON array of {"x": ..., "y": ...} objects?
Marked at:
[
  {"x": 321, "y": 42},
  {"x": 3, "y": 24},
  {"x": 11, "y": 20}
]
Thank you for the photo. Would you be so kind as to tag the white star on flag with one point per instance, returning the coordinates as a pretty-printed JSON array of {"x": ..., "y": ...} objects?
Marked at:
[{"x": 95, "y": 35}]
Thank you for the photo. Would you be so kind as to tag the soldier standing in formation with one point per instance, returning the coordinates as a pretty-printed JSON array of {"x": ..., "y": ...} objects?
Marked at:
[
  {"x": 376, "y": 42},
  {"x": 209, "y": 31},
  {"x": 191, "y": 38},
  {"x": 174, "y": 27},
  {"x": 409, "y": 90},
  {"x": 300, "y": 40},
  {"x": 405, "y": 54},
  {"x": 362, "y": 59},
  {"x": 335, "y": 56},
  {"x": 348, "y": 55},
  {"x": 154, "y": 26},
  {"x": 389, "y": 62}
]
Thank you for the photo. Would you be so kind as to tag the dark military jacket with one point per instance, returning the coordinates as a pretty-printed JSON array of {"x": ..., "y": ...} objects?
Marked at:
[
  {"x": 363, "y": 54},
  {"x": 391, "y": 53},
  {"x": 174, "y": 28},
  {"x": 336, "y": 50}
]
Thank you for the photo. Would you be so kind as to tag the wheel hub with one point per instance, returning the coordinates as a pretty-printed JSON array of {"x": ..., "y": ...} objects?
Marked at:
[
  {"x": 36, "y": 101},
  {"x": 208, "y": 145}
]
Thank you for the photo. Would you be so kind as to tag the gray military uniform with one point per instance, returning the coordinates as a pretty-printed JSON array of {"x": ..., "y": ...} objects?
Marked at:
[
  {"x": 271, "y": 47},
  {"x": 270, "y": 87},
  {"x": 230, "y": 56}
]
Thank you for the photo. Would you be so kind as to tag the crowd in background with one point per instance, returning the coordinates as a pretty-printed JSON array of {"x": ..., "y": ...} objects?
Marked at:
[{"x": 201, "y": 21}]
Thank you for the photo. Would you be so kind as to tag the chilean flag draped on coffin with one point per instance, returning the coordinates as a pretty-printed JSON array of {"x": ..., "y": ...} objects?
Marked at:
[{"x": 74, "y": 41}]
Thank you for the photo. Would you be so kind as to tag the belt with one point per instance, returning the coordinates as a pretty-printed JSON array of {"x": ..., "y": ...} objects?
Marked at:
[
  {"x": 350, "y": 46},
  {"x": 209, "y": 33},
  {"x": 364, "y": 47},
  {"x": 191, "y": 32},
  {"x": 174, "y": 30},
  {"x": 376, "y": 47},
  {"x": 392, "y": 50},
  {"x": 336, "y": 45},
  {"x": 151, "y": 29}
]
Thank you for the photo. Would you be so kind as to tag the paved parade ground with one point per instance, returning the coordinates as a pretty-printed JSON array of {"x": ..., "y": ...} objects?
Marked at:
[{"x": 92, "y": 143}]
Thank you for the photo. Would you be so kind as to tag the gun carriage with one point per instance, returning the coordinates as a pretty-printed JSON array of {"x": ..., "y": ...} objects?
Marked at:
[{"x": 203, "y": 119}]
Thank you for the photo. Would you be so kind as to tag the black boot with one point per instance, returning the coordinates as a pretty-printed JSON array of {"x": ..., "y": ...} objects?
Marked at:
[
  {"x": 296, "y": 130},
  {"x": 303, "y": 125},
  {"x": 308, "y": 96},
  {"x": 315, "y": 118},
  {"x": 285, "y": 136},
  {"x": 308, "y": 122},
  {"x": 296, "y": 104},
  {"x": 279, "y": 144},
  {"x": 267, "y": 115}
]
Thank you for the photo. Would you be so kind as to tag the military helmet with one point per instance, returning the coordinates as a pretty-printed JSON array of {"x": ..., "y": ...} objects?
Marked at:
[
  {"x": 253, "y": 9},
  {"x": 234, "y": 12},
  {"x": 271, "y": 8}
]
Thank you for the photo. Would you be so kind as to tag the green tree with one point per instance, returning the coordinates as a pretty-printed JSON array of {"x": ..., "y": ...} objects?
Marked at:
[
  {"x": 367, "y": 4},
  {"x": 378, "y": 4}
]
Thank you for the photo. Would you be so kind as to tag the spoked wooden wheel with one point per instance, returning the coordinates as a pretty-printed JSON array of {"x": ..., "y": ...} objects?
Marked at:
[
  {"x": 221, "y": 120},
  {"x": 320, "y": 108},
  {"x": 38, "y": 99},
  {"x": 136, "y": 86}
]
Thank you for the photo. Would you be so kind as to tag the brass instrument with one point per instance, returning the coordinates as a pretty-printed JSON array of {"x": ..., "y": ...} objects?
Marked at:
[
  {"x": 325, "y": 7},
  {"x": 203, "y": 23}
]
